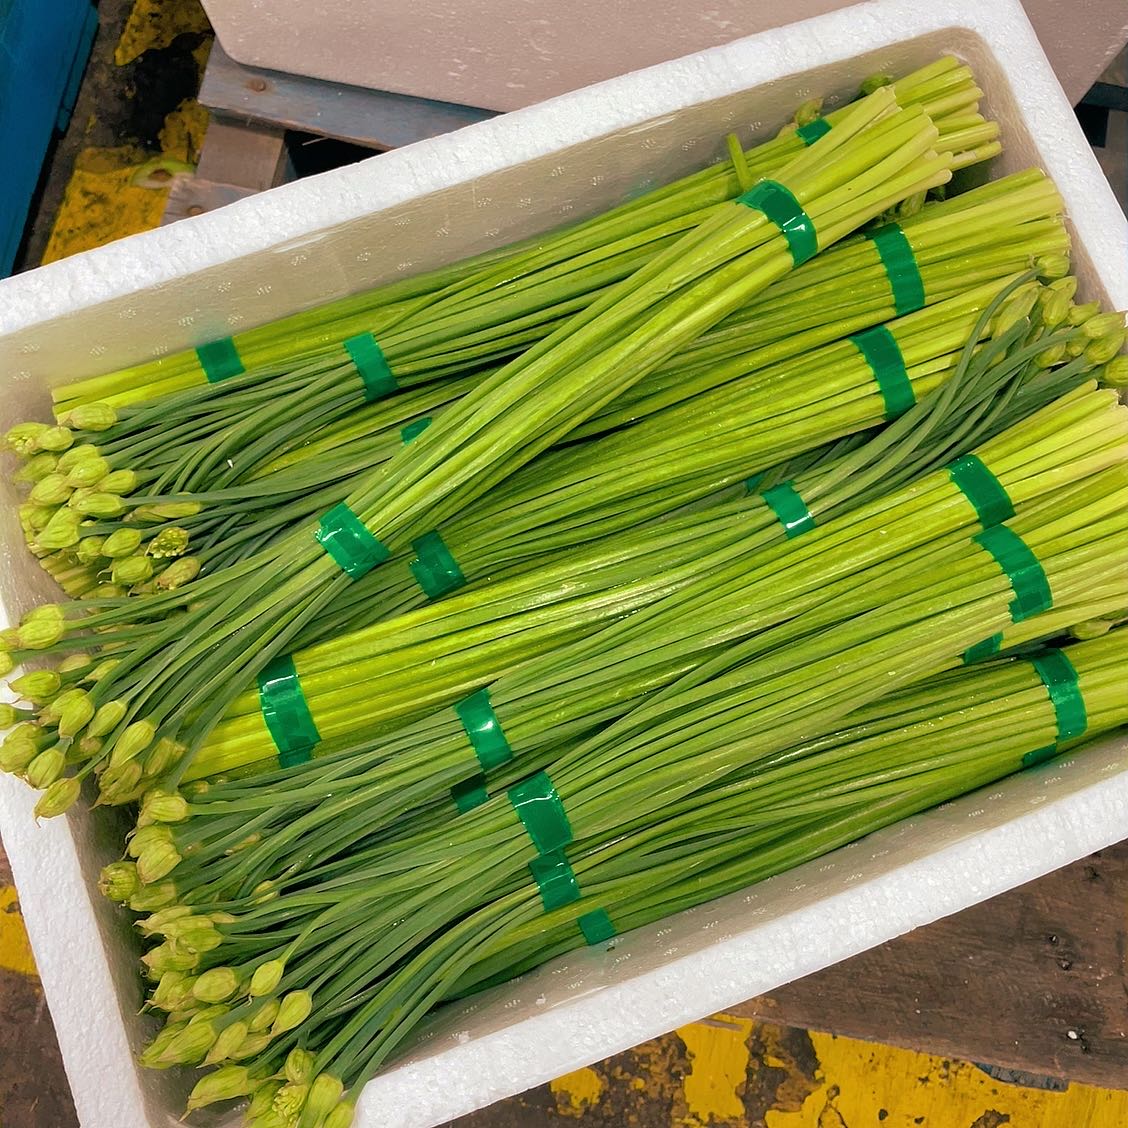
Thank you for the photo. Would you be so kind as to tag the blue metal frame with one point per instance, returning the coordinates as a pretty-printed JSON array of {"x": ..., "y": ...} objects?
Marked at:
[{"x": 44, "y": 46}]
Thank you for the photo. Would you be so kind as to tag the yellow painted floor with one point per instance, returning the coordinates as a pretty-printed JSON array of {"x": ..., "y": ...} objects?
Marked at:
[{"x": 724, "y": 1072}]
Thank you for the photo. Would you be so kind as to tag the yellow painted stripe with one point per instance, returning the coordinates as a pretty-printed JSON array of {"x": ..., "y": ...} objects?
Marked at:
[
  {"x": 865, "y": 1084},
  {"x": 577, "y": 1092},
  {"x": 718, "y": 1056},
  {"x": 15, "y": 948}
]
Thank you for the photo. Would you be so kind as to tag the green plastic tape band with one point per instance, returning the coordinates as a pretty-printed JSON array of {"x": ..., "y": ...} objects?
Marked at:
[
  {"x": 901, "y": 268},
  {"x": 981, "y": 651},
  {"x": 752, "y": 485},
  {"x": 790, "y": 508},
  {"x": 372, "y": 365},
  {"x": 882, "y": 353},
  {"x": 597, "y": 927},
  {"x": 469, "y": 794},
  {"x": 415, "y": 429},
  {"x": 346, "y": 539},
  {"x": 1060, "y": 679},
  {"x": 1027, "y": 577},
  {"x": 991, "y": 502},
  {"x": 541, "y": 813},
  {"x": 286, "y": 712},
  {"x": 434, "y": 568},
  {"x": 784, "y": 210},
  {"x": 813, "y": 130},
  {"x": 484, "y": 730},
  {"x": 220, "y": 360},
  {"x": 556, "y": 880}
]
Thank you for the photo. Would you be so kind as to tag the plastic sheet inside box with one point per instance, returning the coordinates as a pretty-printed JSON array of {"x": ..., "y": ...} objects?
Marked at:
[{"x": 412, "y": 209}]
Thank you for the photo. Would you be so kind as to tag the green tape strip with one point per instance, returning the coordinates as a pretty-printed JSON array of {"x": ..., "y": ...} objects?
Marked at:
[
  {"x": 286, "y": 712},
  {"x": 896, "y": 254},
  {"x": 1060, "y": 679},
  {"x": 346, "y": 539},
  {"x": 790, "y": 508},
  {"x": 981, "y": 651},
  {"x": 813, "y": 130},
  {"x": 785, "y": 211},
  {"x": 1027, "y": 577},
  {"x": 414, "y": 429},
  {"x": 597, "y": 927},
  {"x": 434, "y": 568},
  {"x": 484, "y": 730},
  {"x": 372, "y": 365},
  {"x": 882, "y": 353},
  {"x": 556, "y": 879},
  {"x": 220, "y": 360},
  {"x": 541, "y": 813},
  {"x": 991, "y": 501}
]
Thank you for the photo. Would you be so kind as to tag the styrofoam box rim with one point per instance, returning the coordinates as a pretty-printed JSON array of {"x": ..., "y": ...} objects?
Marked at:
[{"x": 102, "y": 309}]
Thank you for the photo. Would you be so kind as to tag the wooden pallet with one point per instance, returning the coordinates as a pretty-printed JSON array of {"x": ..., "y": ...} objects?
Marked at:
[{"x": 252, "y": 111}]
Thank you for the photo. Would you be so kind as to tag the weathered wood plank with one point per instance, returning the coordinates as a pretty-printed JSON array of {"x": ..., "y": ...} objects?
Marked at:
[
  {"x": 246, "y": 156},
  {"x": 1034, "y": 980},
  {"x": 375, "y": 118},
  {"x": 192, "y": 195}
]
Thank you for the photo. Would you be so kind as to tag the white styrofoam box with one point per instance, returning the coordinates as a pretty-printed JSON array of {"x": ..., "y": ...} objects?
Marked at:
[
  {"x": 411, "y": 209},
  {"x": 504, "y": 54}
]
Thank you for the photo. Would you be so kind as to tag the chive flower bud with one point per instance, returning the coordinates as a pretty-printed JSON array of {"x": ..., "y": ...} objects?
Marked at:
[
  {"x": 262, "y": 1100},
  {"x": 35, "y": 517},
  {"x": 295, "y": 1009},
  {"x": 91, "y": 417},
  {"x": 89, "y": 550},
  {"x": 169, "y": 958},
  {"x": 264, "y": 1017},
  {"x": 190, "y": 1045},
  {"x": 299, "y": 1066},
  {"x": 1052, "y": 267},
  {"x": 16, "y": 753},
  {"x": 38, "y": 687},
  {"x": 58, "y": 798},
  {"x": 132, "y": 742},
  {"x": 117, "y": 785},
  {"x": 23, "y": 438},
  {"x": 341, "y": 1116},
  {"x": 120, "y": 482},
  {"x": 198, "y": 940},
  {"x": 89, "y": 746},
  {"x": 161, "y": 757},
  {"x": 162, "y": 807},
  {"x": 122, "y": 542},
  {"x": 154, "y": 897},
  {"x": 99, "y": 504},
  {"x": 75, "y": 709},
  {"x": 72, "y": 663},
  {"x": 119, "y": 881},
  {"x": 1102, "y": 324},
  {"x": 179, "y": 573},
  {"x": 266, "y": 978},
  {"x": 9, "y": 714},
  {"x": 51, "y": 489},
  {"x": 42, "y": 633},
  {"x": 102, "y": 669},
  {"x": 1115, "y": 374},
  {"x": 216, "y": 985},
  {"x": 1079, "y": 314},
  {"x": 155, "y": 925},
  {"x": 88, "y": 473},
  {"x": 170, "y": 990},
  {"x": 229, "y": 1040},
  {"x": 74, "y": 457},
  {"x": 290, "y": 1100},
  {"x": 172, "y": 540},
  {"x": 108, "y": 591},
  {"x": 151, "y": 1055},
  {"x": 167, "y": 511},
  {"x": 36, "y": 468},
  {"x": 1067, "y": 285},
  {"x": 1102, "y": 350},
  {"x": 158, "y": 861},
  {"x": 61, "y": 531},
  {"x": 324, "y": 1095},
  {"x": 55, "y": 438},
  {"x": 140, "y": 840},
  {"x": 252, "y": 1045},
  {"x": 108, "y": 717},
  {"x": 132, "y": 570},
  {"x": 7, "y": 663},
  {"x": 46, "y": 768}
]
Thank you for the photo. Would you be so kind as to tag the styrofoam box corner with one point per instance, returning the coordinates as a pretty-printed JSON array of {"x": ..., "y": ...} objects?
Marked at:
[{"x": 526, "y": 172}]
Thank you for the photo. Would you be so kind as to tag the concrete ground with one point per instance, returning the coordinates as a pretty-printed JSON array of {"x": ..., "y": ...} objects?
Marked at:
[{"x": 728, "y": 1071}]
